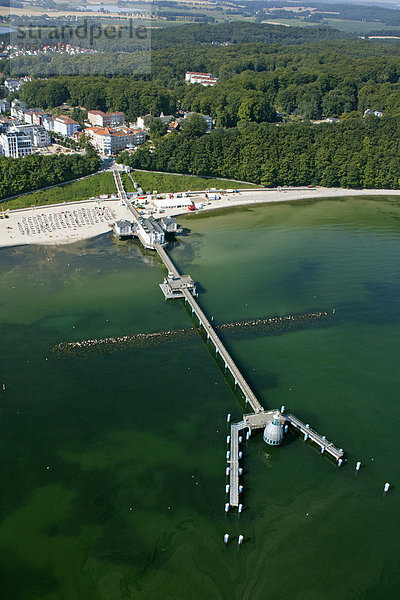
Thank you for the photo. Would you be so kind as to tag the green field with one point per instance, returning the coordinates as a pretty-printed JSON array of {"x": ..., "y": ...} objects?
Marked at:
[
  {"x": 170, "y": 182},
  {"x": 356, "y": 27},
  {"x": 103, "y": 183}
]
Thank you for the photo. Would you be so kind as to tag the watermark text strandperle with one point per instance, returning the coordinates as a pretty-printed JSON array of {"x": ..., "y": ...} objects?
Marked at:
[{"x": 85, "y": 31}]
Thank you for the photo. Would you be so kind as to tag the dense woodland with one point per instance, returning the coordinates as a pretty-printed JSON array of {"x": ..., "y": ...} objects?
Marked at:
[
  {"x": 321, "y": 79},
  {"x": 19, "y": 175},
  {"x": 354, "y": 153},
  {"x": 309, "y": 81},
  {"x": 132, "y": 54}
]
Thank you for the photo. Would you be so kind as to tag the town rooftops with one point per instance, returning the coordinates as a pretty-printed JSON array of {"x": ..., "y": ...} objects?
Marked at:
[
  {"x": 113, "y": 132},
  {"x": 34, "y": 111},
  {"x": 105, "y": 114},
  {"x": 66, "y": 120}
]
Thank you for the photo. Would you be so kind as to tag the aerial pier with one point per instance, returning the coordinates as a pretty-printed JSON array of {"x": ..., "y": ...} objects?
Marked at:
[
  {"x": 275, "y": 423},
  {"x": 311, "y": 435},
  {"x": 212, "y": 335}
]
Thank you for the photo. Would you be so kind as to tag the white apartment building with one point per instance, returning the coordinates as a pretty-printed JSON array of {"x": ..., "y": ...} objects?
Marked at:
[
  {"x": 48, "y": 122},
  {"x": 33, "y": 116},
  {"x": 102, "y": 119},
  {"x": 111, "y": 141},
  {"x": 4, "y": 106},
  {"x": 16, "y": 144},
  {"x": 140, "y": 121},
  {"x": 65, "y": 126},
  {"x": 40, "y": 138},
  {"x": 205, "y": 79},
  {"x": 18, "y": 108},
  {"x": 13, "y": 85}
]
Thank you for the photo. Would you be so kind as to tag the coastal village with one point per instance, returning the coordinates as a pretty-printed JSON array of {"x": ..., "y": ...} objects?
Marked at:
[{"x": 25, "y": 130}]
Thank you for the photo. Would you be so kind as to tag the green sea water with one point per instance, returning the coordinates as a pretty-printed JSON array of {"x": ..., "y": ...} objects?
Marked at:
[{"x": 113, "y": 465}]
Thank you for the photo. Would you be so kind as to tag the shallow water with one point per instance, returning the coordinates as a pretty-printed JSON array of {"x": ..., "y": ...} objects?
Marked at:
[{"x": 131, "y": 505}]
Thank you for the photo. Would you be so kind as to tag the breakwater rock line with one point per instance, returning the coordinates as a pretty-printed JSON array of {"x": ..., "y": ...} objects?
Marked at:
[
  {"x": 272, "y": 325},
  {"x": 277, "y": 324},
  {"x": 114, "y": 343}
]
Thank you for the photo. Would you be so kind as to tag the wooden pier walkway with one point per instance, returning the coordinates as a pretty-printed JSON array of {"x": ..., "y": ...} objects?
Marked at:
[
  {"x": 309, "y": 434},
  {"x": 233, "y": 463},
  {"x": 230, "y": 364}
]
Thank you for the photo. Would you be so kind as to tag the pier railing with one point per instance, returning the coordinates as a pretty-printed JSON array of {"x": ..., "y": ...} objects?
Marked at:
[{"x": 211, "y": 334}]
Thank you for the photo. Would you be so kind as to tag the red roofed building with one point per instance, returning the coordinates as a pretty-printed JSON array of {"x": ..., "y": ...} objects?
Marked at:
[
  {"x": 111, "y": 141},
  {"x": 205, "y": 79},
  {"x": 102, "y": 119},
  {"x": 65, "y": 125}
]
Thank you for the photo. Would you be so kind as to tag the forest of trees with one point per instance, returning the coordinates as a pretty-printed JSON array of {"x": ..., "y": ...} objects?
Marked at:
[
  {"x": 354, "y": 153},
  {"x": 19, "y": 175},
  {"x": 309, "y": 81},
  {"x": 316, "y": 80},
  {"x": 128, "y": 54}
]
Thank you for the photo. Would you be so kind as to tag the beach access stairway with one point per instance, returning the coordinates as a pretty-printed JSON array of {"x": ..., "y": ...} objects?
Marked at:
[{"x": 147, "y": 230}]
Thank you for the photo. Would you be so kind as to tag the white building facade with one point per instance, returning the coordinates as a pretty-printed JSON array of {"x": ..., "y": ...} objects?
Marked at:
[
  {"x": 4, "y": 106},
  {"x": 15, "y": 144},
  {"x": 40, "y": 138},
  {"x": 111, "y": 141},
  {"x": 65, "y": 126},
  {"x": 205, "y": 79},
  {"x": 18, "y": 108},
  {"x": 101, "y": 119}
]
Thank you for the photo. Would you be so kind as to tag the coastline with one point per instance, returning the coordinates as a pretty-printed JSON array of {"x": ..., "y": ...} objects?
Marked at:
[
  {"x": 10, "y": 230},
  {"x": 249, "y": 197}
]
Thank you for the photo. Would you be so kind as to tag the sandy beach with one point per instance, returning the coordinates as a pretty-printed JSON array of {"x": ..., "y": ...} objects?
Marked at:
[
  {"x": 70, "y": 222},
  {"x": 61, "y": 223}
]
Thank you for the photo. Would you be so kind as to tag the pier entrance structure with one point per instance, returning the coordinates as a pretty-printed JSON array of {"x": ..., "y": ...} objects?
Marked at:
[
  {"x": 182, "y": 286},
  {"x": 149, "y": 231}
]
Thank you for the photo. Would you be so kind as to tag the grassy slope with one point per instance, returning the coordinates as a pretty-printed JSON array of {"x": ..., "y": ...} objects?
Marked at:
[
  {"x": 102, "y": 183},
  {"x": 161, "y": 182},
  {"x": 127, "y": 183}
]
